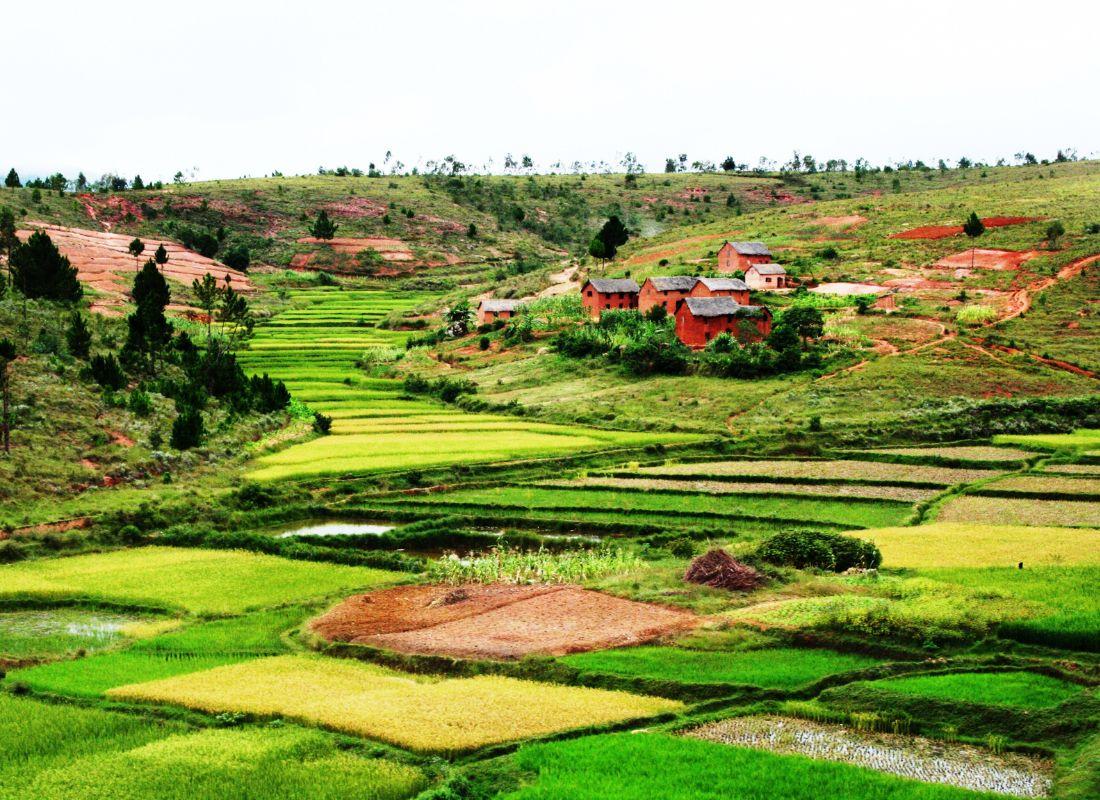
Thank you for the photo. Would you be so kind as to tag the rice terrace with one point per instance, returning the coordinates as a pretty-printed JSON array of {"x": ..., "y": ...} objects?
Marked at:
[{"x": 510, "y": 463}]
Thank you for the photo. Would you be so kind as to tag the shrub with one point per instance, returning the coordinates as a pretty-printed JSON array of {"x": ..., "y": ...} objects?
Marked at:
[
  {"x": 322, "y": 424},
  {"x": 187, "y": 429},
  {"x": 811, "y": 549},
  {"x": 107, "y": 372},
  {"x": 140, "y": 403},
  {"x": 483, "y": 343}
]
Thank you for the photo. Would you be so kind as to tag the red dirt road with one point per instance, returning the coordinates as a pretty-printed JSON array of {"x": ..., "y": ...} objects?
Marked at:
[
  {"x": 496, "y": 621},
  {"x": 103, "y": 262},
  {"x": 946, "y": 231}
]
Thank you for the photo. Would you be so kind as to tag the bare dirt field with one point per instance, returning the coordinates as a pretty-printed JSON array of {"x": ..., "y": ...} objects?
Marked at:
[
  {"x": 946, "y": 231},
  {"x": 848, "y": 289},
  {"x": 496, "y": 621},
  {"x": 978, "y": 258},
  {"x": 839, "y": 223},
  {"x": 104, "y": 263}
]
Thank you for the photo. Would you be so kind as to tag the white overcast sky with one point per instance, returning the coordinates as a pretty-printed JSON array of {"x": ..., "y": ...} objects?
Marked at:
[{"x": 244, "y": 88}]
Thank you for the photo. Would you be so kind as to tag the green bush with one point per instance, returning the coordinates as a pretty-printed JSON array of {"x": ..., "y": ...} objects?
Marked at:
[{"x": 812, "y": 549}]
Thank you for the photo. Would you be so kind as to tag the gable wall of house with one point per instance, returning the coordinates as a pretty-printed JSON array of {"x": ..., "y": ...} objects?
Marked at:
[
  {"x": 598, "y": 302},
  {"x": 700, "y": 290}
]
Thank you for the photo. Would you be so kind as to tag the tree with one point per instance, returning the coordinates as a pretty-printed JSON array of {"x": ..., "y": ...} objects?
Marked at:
[
  {"x": 234, "y": 314},
  {"x": 457, "y": 318},
  {"x": 1055, "y": 231},
  {"x": 160, "y": 256},
  {"x": 136, "y": 248},
  {"x": 107, "y": 372},
  {"x": 613, "y": 234},
  {"x": 187, "y": 429},
  {"x": 39, "y": 270},
  {"x": 7, "y": 356},
  {"x": 597, "y": 249},
  {"x": 237, "y": 257},
  {"x": 149, "y": 331},
  {"x": 138, "y": 183},
  {"x": 728, "y": 164},
  {"x": 973, "y": 227},
  {"x": 323, "y": 227},
  {"x": 8, "y": 239},
  {"x": 12, "y": 181},
  {"x": 471, "y": 231},
  {"x": 670, "y": 165},
  {"x": 81, "y": 182},
  {"x": 206, "y": 293},
  {"x": 806, "y": 321},
  {"x": 78, "y": 337}
]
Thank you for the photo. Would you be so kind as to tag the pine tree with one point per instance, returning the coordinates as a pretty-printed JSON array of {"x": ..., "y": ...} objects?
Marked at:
[
  {"x": 234, "y": 314},
  {"x": 7, "y": 355},
  {"x": 613, "y": 234},
  {"x": 973, "y": 227},
  {"x": 160, "y": 256},
  {"x": 12, "y": 181},
  {"x": 78, "y": 336},
  {"x": 40, "y": 271},
  {"x": 206, "y": 294},
  {"x": 149, "y": 331},
  {"x": 323, "y": 227},
  {"x": 8, "y": 239}
]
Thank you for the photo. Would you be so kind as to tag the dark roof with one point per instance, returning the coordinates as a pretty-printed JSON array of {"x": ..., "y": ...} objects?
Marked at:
[
  {"x": 725, "y": 284},
  {"x": 500, "y": 305},
  {"x": 721, "y": 307},
  {"x": 676, "y": 283},
  {"x": 751, "y": 248},
  {"x": 608, "y": 285},
  {"x": 769, "y": 269}
]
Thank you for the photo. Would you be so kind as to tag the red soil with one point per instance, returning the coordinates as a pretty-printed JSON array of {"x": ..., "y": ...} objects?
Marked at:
[
  {"x": 103, "y": 262},
  {"x": 986, "y": 259},
  {"x": 946, "y": 231},
  {"x": 109, "y": 210},
  {"x": 496, "y": 621},
  {"x": 52, "y": 527},
  {"x": 357, "y": 208}
]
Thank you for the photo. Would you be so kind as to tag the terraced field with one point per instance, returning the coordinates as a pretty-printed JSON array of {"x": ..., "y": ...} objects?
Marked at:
[{"x": 314, "y": 348}]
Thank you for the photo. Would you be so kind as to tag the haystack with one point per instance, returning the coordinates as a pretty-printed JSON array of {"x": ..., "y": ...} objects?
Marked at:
[{"x": 719, "y": 569}]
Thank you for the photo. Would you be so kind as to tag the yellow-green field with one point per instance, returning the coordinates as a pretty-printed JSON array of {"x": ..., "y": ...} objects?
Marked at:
[
  {"x": 419, "y": 713},
  {"x": 959, "y": 544},
  {"x": 199, "y": 581}
]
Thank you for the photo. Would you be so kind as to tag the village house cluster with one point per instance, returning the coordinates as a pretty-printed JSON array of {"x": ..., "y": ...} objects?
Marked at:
[{"x": 702, "y": 307}]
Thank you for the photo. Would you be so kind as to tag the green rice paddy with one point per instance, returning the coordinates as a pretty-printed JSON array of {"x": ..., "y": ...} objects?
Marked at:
[
  {"x": 1022, "y": 689},
  {"x": 314, "y": 347},
  {"x": 777, "y": 668}
]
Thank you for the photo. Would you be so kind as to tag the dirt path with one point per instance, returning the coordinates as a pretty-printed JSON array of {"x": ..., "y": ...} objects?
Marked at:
[
  {"x": 562, "y": 283},
  {"x": 946, "y": 337},
  {"x": 1020, "y": 301},
  {"x": 1050, "y": 362}
]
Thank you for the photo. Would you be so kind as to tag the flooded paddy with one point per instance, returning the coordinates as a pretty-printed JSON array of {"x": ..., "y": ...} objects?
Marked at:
[{"x": 913, "y": 757}]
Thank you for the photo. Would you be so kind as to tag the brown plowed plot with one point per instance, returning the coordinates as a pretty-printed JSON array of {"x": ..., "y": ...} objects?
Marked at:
[
  {"x": 104, "y": 263},
  {"x": 946, "y": 231},
  {"x": 986, "y": 259},
  {"x": 850, "y": 221},
  {"x": 410, "y": 607},
  {"x": 824, "y": 469},
  {"x": 389, "y": 249},
  {"x": 498, "y": 622}
]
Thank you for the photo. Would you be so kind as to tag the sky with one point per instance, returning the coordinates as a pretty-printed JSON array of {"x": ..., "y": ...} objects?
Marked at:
[{"x": 227, "y": 89}]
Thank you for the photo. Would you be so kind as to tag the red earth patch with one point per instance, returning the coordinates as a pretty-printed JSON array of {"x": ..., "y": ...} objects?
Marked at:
[
  {"x": 947, "y": 231},
  {"x": 496, "y": 621},
  {"x": 103, "y": 262},
  {"x": 978, "y": 258}
]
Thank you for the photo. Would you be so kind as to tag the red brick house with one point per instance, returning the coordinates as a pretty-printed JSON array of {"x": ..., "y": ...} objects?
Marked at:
[
  {"x": 766, "y": 276},
  {"x": 700, "y": 319},
  {"x": 734, "y": 256},
  {"x": 722, "y": 287},
  {"x": 601, "y": 294},
  {"x": 489, "y": 311},
  {"x": 667, "y": 292}
]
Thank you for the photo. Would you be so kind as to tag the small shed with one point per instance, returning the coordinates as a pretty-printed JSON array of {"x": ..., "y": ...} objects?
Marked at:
[
  {"x": 766, "y": 276},
  {"x": 489, "y": 311},
  {"x": 734, "y": 256},
  {"x": 668, "y": 292},
  {"x": 700, "y": 319},
  {"x": 600, "y": 294}
]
